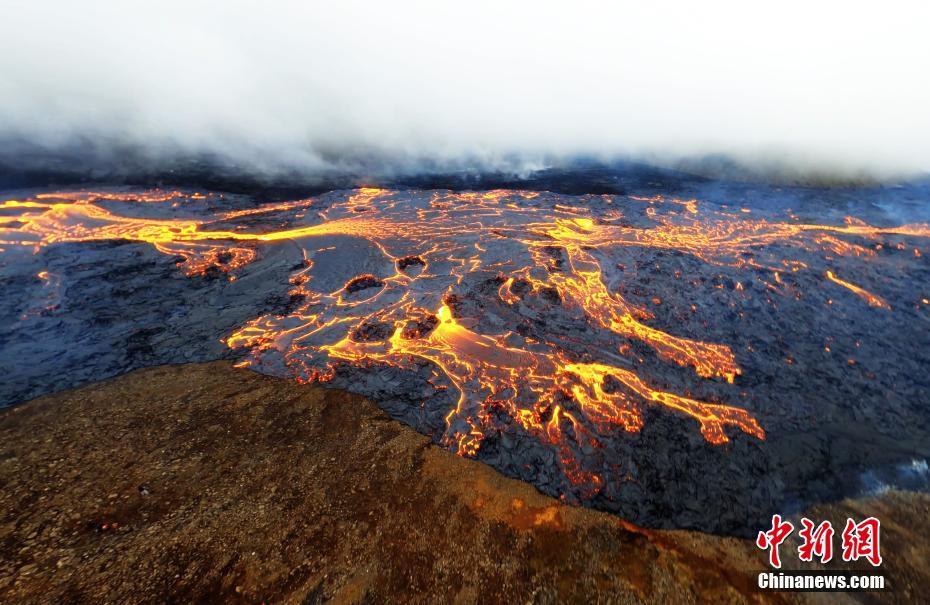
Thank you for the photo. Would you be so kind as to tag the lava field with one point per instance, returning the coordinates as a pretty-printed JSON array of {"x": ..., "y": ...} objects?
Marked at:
[{"x": 683, "y": 361}]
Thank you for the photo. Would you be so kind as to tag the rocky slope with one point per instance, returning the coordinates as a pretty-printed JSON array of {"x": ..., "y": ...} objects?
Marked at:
[{"x": 207, "y": 483}]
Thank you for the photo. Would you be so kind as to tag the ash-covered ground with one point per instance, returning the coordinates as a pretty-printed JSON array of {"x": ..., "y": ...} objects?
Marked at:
[{"x": 694, "y": 359}]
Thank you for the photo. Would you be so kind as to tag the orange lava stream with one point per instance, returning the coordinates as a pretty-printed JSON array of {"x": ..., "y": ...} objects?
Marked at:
[
  {"x": 583, "y": 286},
  {"x": 450, "y": 236},
  {"x": 870, "y": 298}
]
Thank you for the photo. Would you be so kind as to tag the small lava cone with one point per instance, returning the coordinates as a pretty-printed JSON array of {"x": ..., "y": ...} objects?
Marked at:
[
  {"x": 454, "y": 302},
  {"x": 420, "y": 327},
  {"x": 363, "y": 282},
  {"x": 410, "y": 261},
  {"x": 372, "y": 331}
]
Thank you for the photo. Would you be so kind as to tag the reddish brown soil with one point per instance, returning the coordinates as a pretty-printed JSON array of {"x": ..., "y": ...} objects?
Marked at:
[{"x": 205, "y": 483}]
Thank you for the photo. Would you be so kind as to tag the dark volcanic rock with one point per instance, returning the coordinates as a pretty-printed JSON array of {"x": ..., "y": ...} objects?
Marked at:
[
  {"x": 519, "y": 290},
  {"x": 362, "y": 282},
  {"x": 410, "y": 261},
  {"x": 114, "y": 310},
  {"x": 373, "y": 330},
  {"x": 420, "y": 327}
]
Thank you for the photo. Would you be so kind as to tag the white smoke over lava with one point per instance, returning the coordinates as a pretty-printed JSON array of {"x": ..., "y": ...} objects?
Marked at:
[{"x": 405, "y": 86}]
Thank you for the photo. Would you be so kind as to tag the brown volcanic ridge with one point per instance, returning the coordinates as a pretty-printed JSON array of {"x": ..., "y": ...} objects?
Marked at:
[
  {"x": 692, "y": 361},
  {"x": 207, "y": 483}
]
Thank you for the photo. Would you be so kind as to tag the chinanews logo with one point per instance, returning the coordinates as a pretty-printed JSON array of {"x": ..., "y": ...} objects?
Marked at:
[{"x": 858, "y": 541}]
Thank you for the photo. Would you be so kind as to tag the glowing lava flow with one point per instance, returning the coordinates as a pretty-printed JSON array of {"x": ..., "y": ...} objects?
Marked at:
[
  {"x": 583, "y": 286},
  {"x": 870, "y": 298},
  {"x": 527, "y": 254}
]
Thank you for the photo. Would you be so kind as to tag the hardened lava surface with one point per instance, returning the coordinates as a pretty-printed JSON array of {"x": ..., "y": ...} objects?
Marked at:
[{"x": 680, "y": 361}]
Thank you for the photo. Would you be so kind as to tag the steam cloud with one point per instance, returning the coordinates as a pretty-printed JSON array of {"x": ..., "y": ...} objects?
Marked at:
[{"x": 349, "y": 86}]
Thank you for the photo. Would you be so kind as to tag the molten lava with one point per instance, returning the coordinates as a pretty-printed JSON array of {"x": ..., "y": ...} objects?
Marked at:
[
  {"x": 870, "y": 298},
  {"x": 507, "y": 366}
]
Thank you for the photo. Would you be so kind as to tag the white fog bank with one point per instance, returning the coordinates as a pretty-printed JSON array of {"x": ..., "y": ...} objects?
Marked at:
[{"x": 314, "y": 86}]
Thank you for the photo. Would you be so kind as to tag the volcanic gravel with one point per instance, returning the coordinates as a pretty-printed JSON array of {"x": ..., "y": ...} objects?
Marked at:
[{"x": 203, "y": 483}]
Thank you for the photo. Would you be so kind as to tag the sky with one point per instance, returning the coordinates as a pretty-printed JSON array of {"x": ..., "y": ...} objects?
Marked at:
[{"x": 406, "y": 86}]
